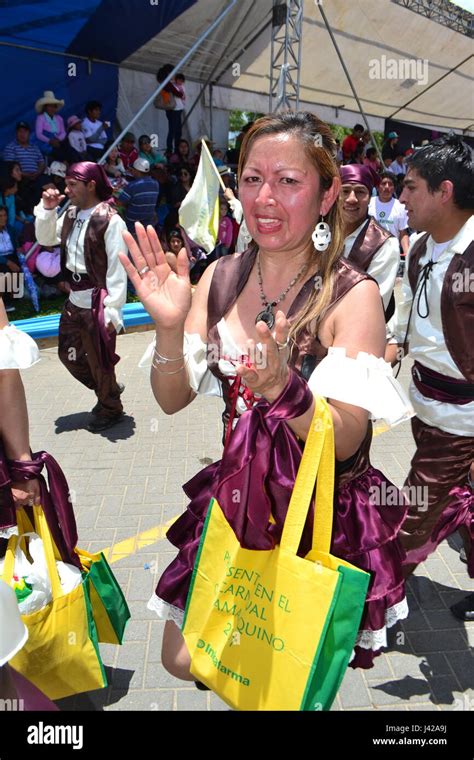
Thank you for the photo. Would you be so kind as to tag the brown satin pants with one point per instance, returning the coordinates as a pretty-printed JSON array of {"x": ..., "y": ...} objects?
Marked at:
[
  {"x": 441, "y": 461},
  {"x": 77, "y": 352}
]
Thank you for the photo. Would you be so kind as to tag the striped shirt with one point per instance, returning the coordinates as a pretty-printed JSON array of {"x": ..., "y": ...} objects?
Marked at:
[
  {"x": 141, "y": 196},
  {"x": 28, "y": 156}
]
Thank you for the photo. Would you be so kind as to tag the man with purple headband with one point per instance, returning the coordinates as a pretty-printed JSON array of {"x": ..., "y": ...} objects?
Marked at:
[
  {"x": 90, "y": 234},
  {"x": 367, "y": 244}
]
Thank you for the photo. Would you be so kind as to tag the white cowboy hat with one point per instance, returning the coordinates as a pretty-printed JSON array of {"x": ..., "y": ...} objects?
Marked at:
[{"x": 47, "y": 99}]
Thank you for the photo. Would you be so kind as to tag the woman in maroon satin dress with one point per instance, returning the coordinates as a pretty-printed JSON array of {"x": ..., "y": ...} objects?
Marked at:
[
  {"x": 14, "y": 437},
  {"x": 293, "y": 293}
]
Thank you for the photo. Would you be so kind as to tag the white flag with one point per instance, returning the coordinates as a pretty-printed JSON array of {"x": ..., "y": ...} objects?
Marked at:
[{"x": 199, "y": 211}]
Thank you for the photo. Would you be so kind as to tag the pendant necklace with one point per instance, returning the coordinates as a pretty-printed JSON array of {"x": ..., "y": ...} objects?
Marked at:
[{"x": 267, "y": 315}]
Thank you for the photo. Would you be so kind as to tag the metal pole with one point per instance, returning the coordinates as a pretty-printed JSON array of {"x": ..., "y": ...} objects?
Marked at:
[
  {"x": 350, "y": 82},
  {"x": 152, "y": 97},
  {"x": 169, "y": 77},
  {"x": 210, "y": 111}
]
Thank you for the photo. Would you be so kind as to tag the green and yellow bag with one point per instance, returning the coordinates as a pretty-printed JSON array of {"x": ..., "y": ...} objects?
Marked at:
[
  {"x": 109, "y": 607},
  {"x": 61, "y": 655},
  {"x": 268, "y": 630}
]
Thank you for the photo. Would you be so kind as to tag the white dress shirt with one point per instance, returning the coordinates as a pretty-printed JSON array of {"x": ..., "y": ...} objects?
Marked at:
[
  {"x": 384, "y": 265},
  {"x": 48, "y": 232},
  {"x": 426, "y": 338}
]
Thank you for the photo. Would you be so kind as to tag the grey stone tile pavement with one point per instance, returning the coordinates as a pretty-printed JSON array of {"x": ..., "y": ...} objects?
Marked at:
[{"x": 127, "y": 481}]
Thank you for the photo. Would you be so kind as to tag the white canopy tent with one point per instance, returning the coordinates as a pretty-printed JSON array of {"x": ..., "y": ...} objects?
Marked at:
[{"x": 403, "y": 66}]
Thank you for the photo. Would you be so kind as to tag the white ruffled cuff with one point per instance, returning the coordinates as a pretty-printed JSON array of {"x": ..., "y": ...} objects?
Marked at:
[
  {"x": 17, "y": 349},
  {"x": 200, "y": 377},
  {"x": 366, "y": 381},
  {"x": 45, "y": 214},
  {"x": 114, "y": 315}
]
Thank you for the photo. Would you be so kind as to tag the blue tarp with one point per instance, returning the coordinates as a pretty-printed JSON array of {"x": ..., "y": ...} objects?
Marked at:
[
  {"x": 109, "y": 30},
  {"x": 47, "y": 326}
]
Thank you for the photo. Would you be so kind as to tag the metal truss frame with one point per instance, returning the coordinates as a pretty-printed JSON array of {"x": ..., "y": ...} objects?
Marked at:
[{"x": 287, "y": 30}]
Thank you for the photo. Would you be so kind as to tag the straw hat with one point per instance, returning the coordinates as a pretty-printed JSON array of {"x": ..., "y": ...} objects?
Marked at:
[
  {"x": 206, "y": 139},
  {"x": 47, "y": 99}
]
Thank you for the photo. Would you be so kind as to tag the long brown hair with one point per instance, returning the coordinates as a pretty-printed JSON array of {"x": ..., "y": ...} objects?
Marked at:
[{"x": 320, "y": 147}]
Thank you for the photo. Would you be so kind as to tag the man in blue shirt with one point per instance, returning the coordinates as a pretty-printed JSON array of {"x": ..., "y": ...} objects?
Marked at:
[
  {"x": 140, "y": 196},
  {"x": 28, "y": 156},
  {"x": 31, "y": 162}
]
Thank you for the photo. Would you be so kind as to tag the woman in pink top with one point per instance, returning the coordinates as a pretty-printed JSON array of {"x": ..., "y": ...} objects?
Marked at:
[
  {"x": 371, "y": 159},
  {"x": 50, "y": 131},
  {"x": 226, "y": 230}
]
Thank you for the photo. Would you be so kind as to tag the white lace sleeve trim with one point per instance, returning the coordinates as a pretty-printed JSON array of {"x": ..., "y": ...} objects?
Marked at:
[
  {"x": 366, "y": 381},
  {"x": 374, "y": 640},
  {"x": 166, "y": 611},
  {"x": 17, "y": 349},
  {"x": 201, "y": 379},
  {"x": 366, "y": 639}
]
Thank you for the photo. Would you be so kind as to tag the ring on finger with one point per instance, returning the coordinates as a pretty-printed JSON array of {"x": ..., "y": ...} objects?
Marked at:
[
  {"x": 144, "y": 270},
  {"x": 281, "y": 346}
]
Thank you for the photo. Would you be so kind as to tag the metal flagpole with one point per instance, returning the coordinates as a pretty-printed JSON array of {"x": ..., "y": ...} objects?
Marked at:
[
  {"x": 170, "y": 77},
  {"x": 346, "y": 72}
]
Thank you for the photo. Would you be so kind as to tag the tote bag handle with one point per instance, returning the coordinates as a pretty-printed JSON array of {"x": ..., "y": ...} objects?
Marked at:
[
  {"x": 41, "y": 528},
  {"x": 317, "y": 464}
]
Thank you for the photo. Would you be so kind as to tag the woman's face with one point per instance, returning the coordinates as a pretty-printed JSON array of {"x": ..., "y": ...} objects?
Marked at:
[
  {"x": 280, "y": 194},
  {"x": 146, "y": 147},
  {"x": 184, "y": 175},
  {"x": 113, "y": 155},
  {"x": 183, "y": 148},
  {"x": 176, "y": 244},
  {"x": 51, "y": 109},
  {"x": 16, "y": 173}
]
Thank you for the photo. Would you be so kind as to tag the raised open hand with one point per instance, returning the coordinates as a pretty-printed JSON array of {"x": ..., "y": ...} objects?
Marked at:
[{"x": 165, "y": 294}]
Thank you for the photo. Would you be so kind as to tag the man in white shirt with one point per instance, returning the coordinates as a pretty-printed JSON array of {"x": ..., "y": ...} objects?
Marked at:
[
  {"x": 94, "y": 130},
  {"x": 434, "y": 321},
  {"x": 366, "y": 243},
  {"x": 90, "y": 234},
  {"x": 398, "y": 166},
  {"x": 389, "y": 212}
]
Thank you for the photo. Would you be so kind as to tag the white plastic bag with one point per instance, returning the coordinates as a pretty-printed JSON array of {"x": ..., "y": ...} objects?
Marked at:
[{"x": 36, "y": 575}]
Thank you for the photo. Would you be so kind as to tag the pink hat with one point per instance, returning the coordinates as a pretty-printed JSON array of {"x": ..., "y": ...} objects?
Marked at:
[{"x": 72, "y": 121}]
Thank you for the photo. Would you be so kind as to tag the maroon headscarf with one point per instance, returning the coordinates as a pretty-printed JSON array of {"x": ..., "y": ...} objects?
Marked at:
[
  {"x": 360, "y": 173},
  {"x": 85, "y": 171}
]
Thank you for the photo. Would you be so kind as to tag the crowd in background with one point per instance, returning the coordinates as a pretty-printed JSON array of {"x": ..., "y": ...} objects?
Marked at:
[{"x": 149, "y": 182}]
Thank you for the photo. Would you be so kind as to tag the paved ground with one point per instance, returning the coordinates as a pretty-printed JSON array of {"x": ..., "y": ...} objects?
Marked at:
[{"x": 127, "y": 482}]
